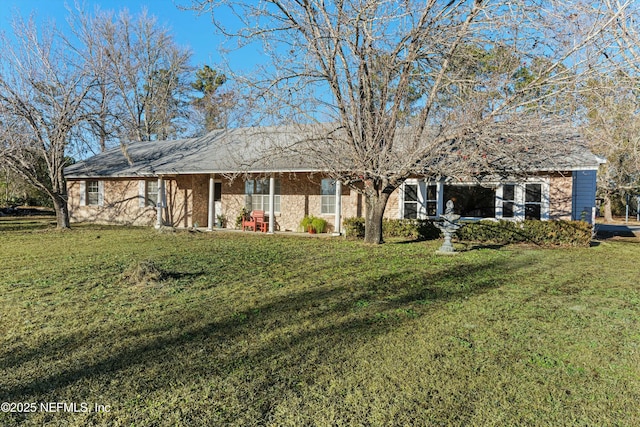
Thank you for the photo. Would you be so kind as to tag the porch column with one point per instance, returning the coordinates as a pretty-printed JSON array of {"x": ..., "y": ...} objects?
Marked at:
[
  {"x": 338, "y": 217},
  {"x": 272, "y": 198},
  {"x": 211, "y": 208},
  {"x": 161, "y": 201}
]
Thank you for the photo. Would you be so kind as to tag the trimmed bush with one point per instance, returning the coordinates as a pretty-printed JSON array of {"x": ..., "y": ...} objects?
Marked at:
[
  {"x": 543, "y": 233},
  {"x": 353, "y": 227},
  {"x": 405, "y": 228}
]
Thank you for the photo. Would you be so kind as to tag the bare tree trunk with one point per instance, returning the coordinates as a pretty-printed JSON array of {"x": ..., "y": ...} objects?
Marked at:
[
  {"x": 608, "y": 217},
  {"x": 62, "y": 210},
  {"x": 375, "y": 206}
]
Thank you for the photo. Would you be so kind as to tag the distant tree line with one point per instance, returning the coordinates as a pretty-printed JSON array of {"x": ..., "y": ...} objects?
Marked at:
[{"x": 105, "y": 80}]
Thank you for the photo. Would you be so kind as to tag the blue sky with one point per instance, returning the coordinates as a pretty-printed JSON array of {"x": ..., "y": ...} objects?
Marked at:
[{"x": 189, "y": 29}]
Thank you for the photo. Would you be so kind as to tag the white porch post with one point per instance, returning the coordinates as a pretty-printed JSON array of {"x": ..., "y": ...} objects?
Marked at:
[
  {"x": 272, "y": 198},
  {"x": 161, "y": 202},
  {"x": 440, "y": 201},
  {"x": 211, "y": 208},
  {"x": 338, "y": 217}
]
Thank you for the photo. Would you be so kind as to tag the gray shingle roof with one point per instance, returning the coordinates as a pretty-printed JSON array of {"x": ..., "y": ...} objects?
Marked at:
[
  {"x": 222, "y": 151},
  {"x": 244, "y": 151}
]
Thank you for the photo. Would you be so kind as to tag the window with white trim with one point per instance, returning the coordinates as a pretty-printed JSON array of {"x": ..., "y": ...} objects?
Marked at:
[
  {"x": 151, "y": 193},
  {"x": 431, "y": 200},
  {"x": 410, "y": 203},
  {"x": 533, "y": 201},
  {"x": 508, "y": 200},
  {"x": 93, "y": 193},
  {"x": 525, "y": 200},
  {"x": 257, "y": 195},
  {"x": 473, "y": 201},
  {"x": 328, "y": 196}
]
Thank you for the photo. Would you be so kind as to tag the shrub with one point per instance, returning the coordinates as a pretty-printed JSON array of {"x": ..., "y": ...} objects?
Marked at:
[
  {"x": 544, "y": 233},
  {"x": 319, "y": 224},
  {"x": 306, "y": 222},
  {"x": 353, "y": 227},
  {"x": 406, "y": 228}
]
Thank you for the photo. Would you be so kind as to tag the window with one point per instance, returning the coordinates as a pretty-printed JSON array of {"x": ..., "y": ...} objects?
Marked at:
[
  {"x": 257, "y": 195},
  {"x": 151, "y": 193},
  {"x": 432, "y": 199},
  {"x": 328, "y": 196},
  {"x": 420, "y": 199},
  {"x": 410, "y": 201},
  {"x": 533, "y": 201},
  {"x": 472, "y": 200},
  {"x": 93, "y": 193},
  {"x": 508, "y": 200}
]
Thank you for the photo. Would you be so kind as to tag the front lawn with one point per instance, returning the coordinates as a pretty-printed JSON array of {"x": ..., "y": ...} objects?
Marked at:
[{"x": 183, "y": 329}]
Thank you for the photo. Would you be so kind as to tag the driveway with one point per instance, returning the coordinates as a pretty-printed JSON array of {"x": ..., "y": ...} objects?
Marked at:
[{"x": 607, "y": 231}]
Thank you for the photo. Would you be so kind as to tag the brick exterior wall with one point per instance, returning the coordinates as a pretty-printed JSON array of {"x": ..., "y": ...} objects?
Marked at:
[
  {"x": 188, "y": 201},
  {"x": 121, "y": 205},
  {"x": 560, "y": 197}
]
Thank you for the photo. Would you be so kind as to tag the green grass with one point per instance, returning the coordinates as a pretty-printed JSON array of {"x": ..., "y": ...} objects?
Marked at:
[{"x": 247, "y": 329}]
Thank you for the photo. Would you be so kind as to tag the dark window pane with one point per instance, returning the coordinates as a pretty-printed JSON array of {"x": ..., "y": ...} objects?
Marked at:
[
  {"x": 410, "y": 193},
  {"x": 472, "y": 200},
  {"x": 533, "y": 193},
  {"x": 508, "y": 192},
  {"x": 431, "y": 192},
  {"x": 532, "y": 211},
  {"x": 217, "y": 191},
  {"x": 431, "y": 208},
  {"x": 410, "y": 210},
  {"x": 507, "y": 209}
]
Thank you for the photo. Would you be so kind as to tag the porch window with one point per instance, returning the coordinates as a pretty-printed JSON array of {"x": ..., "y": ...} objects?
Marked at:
[
  {"x": 257, "y": 195},
  {"x": 328, "y": 196},
  {"x": 533, "y": 201},
  {"x": 410, "y": 201},
  {"x": 93, "y": 193},
  {"x": 472, "y": 200},
  {"x": 508, "y": 200},
  {"x": 151, "y": 193},
  {"x": 432, "y": 200}
]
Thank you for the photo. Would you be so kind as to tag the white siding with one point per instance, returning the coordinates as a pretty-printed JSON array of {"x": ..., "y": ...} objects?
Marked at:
[{"x": 584, "y": 195}]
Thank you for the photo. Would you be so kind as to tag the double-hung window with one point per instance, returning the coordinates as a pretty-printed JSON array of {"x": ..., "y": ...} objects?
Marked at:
[
  {"x": 151, "y": 193},
  {"x": 93, "y": 193},
  {"x": 257, "y": 195},
  {"x": 410, "y": 201},
  {"x": 420, "y": 199},
  {"x": 508, "y": 200},
  {"x": 328, "y": 196},
  {"x": 533, "y": 201}
]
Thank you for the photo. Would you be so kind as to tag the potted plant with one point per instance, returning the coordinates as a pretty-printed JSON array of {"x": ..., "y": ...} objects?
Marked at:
[
  {"x": 307, "y": 224},
  {"x": 318, "y": 225}
]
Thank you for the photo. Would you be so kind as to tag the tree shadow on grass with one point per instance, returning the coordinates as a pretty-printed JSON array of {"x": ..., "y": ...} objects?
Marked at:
[{"x": 271, "y": 342}]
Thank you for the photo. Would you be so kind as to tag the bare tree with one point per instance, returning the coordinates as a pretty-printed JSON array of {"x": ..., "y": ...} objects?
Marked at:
[
  {"x": 444, "y": 88},
  {"x": 613, "y": 128},
  {"x": 144, "y": 76},
  {"x": 612, "y": 108},
  {"x": 43, "y": 86}
]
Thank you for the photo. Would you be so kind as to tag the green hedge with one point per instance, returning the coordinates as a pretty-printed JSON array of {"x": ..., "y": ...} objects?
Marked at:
[
  {"x": 405, "y": 228},
  {"x": 544, "y": 233}
]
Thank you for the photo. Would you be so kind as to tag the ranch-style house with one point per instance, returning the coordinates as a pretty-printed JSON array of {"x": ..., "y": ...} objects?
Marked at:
[{"x": 197, "y": 182}]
